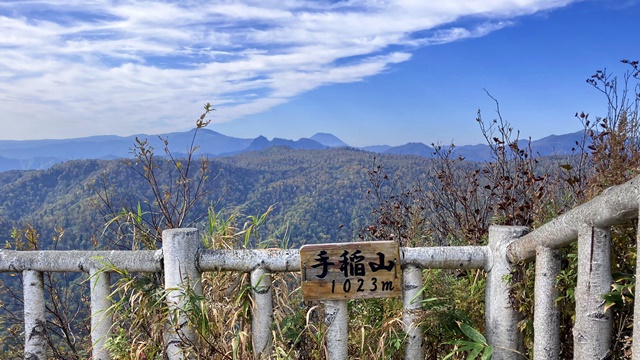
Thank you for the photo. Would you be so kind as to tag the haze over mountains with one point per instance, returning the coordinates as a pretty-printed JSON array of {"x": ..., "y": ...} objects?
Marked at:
[{"x": 42, "y": 154}]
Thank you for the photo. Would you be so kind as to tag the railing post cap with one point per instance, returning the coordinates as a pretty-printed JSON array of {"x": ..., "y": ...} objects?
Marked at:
[
  {"x": 500, "y": 236},
  {"x": 505, "y": 233},
  {"x": 516, "y": 230},
  {"x": 186, "y": 231}
]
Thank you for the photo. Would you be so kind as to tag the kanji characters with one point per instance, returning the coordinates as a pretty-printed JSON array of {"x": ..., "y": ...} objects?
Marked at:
[{"x": 323, "y": 260}]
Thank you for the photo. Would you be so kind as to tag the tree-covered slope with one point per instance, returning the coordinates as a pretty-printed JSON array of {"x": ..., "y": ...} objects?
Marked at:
[{"x": 318, "y": 195}]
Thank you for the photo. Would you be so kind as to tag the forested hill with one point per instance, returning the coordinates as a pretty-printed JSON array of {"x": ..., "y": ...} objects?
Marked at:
[{"x": 318, "y": 195}]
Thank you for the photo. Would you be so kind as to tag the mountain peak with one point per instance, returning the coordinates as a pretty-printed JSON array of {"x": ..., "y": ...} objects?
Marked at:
[
  {"x": 328, "y": 140},
  {"x": 412, "y": 148}
]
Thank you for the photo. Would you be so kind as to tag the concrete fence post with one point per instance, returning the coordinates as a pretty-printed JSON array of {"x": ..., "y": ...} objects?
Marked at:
[
  {"x": 546, "y": 317},
  {"x": 501, "y": 319},
  {"x": 262, "y": 313},
  {"x": 593, "y": 326},
  {"x": 635, "y": 350},
  {"x": 336, "y": 316},
  {"x": 101, "y": 321},
  {"x": 412, "y": 304},
  {"x": 181, "y": 248},
  {"x": 35, "y": 322}
]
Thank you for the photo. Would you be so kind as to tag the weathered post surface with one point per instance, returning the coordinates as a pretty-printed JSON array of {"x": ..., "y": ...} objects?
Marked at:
[
  {"x": 262, "y": 313},
  {"x": 101, "y": 320},
  {"x": 336, "y": 316},
  {"x": 501, "y": 319},
  {"x": 180, "y": 248},
  {"x": 546, "y": 317},
  {"x": 412, "y": 304},
  {"x": 592, "y": 328},
  {"x": 35, "y": 323},
  {"x": 636, "y": 306}
]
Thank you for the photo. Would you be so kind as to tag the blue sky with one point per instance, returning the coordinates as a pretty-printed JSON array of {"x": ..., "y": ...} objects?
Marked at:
[{"x": 369, "y": 71}]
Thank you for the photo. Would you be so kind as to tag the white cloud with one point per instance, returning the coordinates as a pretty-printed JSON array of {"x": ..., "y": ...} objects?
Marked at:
[{"x": 121, "y": 64}]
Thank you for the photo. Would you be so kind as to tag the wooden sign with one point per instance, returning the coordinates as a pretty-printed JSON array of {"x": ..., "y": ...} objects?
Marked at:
[{"x": 358, "y": 270}]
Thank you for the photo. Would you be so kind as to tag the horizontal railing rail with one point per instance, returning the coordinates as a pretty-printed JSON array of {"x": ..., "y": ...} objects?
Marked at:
[
  {"x": 614, "y": 206},
  {"x": 275, "y": 260},
  {"x": 148, "y": 261}
]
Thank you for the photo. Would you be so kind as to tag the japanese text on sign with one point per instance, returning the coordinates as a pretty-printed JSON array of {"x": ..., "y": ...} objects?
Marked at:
[{"x": 350, "y": 270}]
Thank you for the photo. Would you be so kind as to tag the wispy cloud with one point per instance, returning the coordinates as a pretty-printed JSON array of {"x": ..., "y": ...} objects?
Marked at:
[{"x": 103, "y": 65}]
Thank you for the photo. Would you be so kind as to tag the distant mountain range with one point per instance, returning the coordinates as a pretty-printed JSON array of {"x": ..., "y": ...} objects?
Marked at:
[{"x": 42, "y": 154}]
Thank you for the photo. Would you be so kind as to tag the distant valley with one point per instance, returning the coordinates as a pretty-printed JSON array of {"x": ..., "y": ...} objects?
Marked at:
[{"x": 42, "y": 154}]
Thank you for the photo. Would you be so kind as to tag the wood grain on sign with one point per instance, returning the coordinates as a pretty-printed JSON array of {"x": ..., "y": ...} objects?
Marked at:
[{"x": 358, "y": 270}]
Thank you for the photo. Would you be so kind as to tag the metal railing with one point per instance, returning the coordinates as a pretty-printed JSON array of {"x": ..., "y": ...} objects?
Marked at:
[{"x": 183, "y": 260}]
